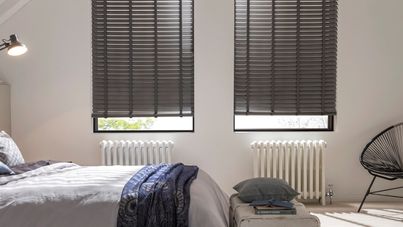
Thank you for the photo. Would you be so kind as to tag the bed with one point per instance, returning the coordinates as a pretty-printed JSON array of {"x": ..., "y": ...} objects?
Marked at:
[{"x": 65, "y": 194}]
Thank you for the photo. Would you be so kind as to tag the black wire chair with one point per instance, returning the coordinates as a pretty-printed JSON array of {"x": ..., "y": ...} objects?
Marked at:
[{"x": 382, "y": 157}]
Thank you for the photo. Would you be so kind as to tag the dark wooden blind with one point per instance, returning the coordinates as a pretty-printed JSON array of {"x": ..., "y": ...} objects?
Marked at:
[
  {"x": 285, "y": 57},
  {"x": 142, "y": 57}
]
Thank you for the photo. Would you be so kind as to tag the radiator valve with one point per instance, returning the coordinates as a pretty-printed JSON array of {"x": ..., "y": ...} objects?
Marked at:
[{"x": 330, "y": 193}]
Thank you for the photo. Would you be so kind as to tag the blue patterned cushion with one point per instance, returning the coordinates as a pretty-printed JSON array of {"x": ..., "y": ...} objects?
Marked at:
[
  {"x": 9, "y": 152},
  {"x": 4, "y": 169}
]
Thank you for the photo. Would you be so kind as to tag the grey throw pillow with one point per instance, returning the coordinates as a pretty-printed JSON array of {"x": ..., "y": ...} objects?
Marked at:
[
  {"x": 5, "y": 170},
  {"x": 264, "y": 189},
  {"x": 9, "y": 152}
]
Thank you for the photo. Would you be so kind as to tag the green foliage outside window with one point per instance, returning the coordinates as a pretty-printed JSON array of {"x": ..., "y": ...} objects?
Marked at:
[{"x": 124, "y": 124}]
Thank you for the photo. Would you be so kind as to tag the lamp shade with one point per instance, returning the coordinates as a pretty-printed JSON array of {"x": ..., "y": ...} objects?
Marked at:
[{"x": 16, "y": 48}]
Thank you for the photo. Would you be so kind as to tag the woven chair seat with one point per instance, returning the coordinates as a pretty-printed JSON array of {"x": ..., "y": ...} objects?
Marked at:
[{"x": 398, "y": 174}]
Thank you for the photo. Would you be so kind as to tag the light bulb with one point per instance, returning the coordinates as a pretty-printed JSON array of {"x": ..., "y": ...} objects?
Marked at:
[{"x": 16, "y": 50}]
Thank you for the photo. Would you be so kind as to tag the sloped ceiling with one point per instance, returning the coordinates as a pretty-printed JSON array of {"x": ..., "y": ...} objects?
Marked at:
[{"x": 10, "y": 7}]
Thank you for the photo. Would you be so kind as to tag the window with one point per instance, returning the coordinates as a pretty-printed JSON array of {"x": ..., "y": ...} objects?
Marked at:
[
  {"x": 142, "y": 65},
  {"x": 143, "y": 124},
  {"x": 285, "y": 64},
  {"x": 282, "y": 123}
]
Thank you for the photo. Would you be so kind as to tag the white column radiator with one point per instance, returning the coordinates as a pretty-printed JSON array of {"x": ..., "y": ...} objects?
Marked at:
[
  {"x": 300, "y": 163},
  {"x": 132, "y": 152}
]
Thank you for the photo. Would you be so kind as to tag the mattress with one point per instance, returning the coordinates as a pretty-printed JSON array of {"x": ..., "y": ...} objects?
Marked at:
[{"x": 65, "y": 194}]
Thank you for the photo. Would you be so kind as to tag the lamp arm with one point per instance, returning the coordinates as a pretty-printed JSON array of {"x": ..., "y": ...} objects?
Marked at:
[{"x": 3, "y": 46}]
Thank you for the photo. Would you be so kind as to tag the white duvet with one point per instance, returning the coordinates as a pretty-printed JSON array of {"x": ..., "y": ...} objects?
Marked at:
[{"x": 65, "y": 194}]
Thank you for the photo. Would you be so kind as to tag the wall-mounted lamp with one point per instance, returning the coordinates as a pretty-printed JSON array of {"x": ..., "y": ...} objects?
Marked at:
[{"x": 13, "y": 46}]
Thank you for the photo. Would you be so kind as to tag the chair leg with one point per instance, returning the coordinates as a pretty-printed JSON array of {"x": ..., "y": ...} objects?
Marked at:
[{"x": 366, "y": 194}]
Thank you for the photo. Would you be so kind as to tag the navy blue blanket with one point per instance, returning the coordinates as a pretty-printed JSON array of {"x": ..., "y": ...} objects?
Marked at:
[{"x": 157, "y": 196}]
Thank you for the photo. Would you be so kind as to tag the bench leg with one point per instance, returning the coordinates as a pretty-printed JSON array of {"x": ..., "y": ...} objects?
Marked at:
[{"x": 366, "y": 194}]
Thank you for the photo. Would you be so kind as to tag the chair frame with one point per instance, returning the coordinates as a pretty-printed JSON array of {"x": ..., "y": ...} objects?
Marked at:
[{"x": 375, "y": 174}]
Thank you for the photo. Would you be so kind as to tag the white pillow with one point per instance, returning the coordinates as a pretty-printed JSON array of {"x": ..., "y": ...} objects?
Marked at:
[{"x": 9, "y": 152}]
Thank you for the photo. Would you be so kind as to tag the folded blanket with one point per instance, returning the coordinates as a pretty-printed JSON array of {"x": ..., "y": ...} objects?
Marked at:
[{"x": 157, "y": 196}]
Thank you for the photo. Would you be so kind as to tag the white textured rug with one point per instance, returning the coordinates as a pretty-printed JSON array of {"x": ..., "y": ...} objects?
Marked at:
[
  {"x": 368, "y": 218},
  {"x": 345, "y": 215}
]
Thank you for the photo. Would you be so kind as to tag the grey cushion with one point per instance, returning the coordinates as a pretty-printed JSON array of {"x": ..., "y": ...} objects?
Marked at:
[
  {"x": 5, "y": 170},
  {"x": 9, "y": 152},
  {"x": 263, "y": 189}
]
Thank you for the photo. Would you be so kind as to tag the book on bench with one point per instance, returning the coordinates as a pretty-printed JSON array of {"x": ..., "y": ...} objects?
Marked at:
[
  {"x": 274, "y": 210},
  {"x": 273, "y": 206}
]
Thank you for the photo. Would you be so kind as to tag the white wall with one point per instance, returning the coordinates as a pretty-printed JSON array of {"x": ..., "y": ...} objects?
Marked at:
[
  {"x": 5, "y": 107},
  {"x": 51, "y": 89}
]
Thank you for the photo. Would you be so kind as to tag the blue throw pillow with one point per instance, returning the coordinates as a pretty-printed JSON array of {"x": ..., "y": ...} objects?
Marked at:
[
  {"x": 264, "y": 189},
  {"x": 5, "y": 170}
]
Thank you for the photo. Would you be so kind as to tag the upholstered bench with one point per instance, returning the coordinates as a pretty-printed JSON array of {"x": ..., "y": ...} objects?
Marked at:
[{"x": 243, "y": 215}]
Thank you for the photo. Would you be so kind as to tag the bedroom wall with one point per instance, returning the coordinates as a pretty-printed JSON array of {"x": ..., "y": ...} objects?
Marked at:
[{"x": 51, "y": 89}]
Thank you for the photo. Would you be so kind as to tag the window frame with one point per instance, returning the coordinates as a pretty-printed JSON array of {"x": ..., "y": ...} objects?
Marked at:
[
  {"x": 96, "y": 130},
  {"x": 331, "y": 116},
  {"x": 186, "y": 107},
  {"x": 330, "y": 127},
  {"x": 247, "y": 15}
]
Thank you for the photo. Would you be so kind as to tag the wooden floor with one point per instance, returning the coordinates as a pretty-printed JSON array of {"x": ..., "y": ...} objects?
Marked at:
[{"x": 378, "y": 214}]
